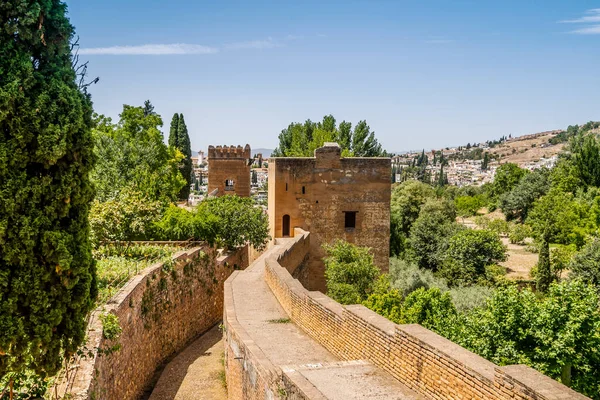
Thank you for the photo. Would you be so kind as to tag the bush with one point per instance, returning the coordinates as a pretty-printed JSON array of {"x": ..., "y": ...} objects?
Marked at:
[
  {"x": 129, "y": 216},
  {"x": 467, "y": 206},
  {"x": 229, "y": 221},
  {"x": 407, "y": 277},
  {"x": 499, "y": 226},
  {"x": 467, "y": 298},
  {"x": 517, "y": 233},
  {"x": 586, "y": 264},
  {"x": 430, "y": 232},
  {"x": 385, "y": 300},
  {"x": 350, "y": 272},
  {"x": 430, "y": 308},
  {"x": 469, "y": 253}
]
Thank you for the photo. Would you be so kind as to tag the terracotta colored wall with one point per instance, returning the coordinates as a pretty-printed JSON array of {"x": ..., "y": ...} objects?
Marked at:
[
  {"x": 332, "y": 185},
  {"x": 160, "y": 311},
  {"x": 229, "y": 162},
  {"x": 417, "y": 357}
]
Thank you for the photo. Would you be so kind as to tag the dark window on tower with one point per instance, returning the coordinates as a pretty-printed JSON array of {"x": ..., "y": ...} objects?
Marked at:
[
  {"x": 286, "y": 186},
  {"x": 303, "y": 190},
  {"x": 349, "y": 219}
]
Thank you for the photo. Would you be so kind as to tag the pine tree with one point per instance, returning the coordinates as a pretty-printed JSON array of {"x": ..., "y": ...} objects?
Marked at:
[
  {"x": 47, "y": 274},
  {"x": 183, "y": 144},
  {"x": 173, "y": 131}
]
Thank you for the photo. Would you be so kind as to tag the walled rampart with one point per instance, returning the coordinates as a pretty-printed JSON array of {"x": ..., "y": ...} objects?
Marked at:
[
  {"x": 160, "y": 311},
  {"x": 418, "y": 358}
]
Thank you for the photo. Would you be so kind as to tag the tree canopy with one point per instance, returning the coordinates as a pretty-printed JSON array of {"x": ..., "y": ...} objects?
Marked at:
[
  {"x": 47, "y": 275},
  {"x": 132, "y": 156},
  {"x": 302, "y": 139}
]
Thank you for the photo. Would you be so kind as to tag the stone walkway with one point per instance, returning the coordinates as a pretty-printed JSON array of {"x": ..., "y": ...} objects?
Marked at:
[
  {"x": 288, "y": 346},
  {"x": 197, "y": 373}
]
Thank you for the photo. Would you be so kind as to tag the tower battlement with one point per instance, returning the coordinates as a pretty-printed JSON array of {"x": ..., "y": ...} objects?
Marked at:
[{"x": 229, "y": 152}]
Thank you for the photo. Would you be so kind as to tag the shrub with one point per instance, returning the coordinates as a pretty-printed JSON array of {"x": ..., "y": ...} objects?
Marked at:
[
  {"x": 469, "y": 253},
  {"x": 407, "y": 277},
  {"x": 350, "y": 272},
  {"x": 518, "y": 233},
  {"x": 467, "y": 298},
  {"x": 499, "y": 226},
  {"x": 430, "y": 308},
  {"x": 585, "y": 265}
]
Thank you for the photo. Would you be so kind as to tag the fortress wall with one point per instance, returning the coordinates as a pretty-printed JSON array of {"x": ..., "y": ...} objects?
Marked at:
[
  {"x": 421, "y": 359},
  {"x": 160, "y": 311}
]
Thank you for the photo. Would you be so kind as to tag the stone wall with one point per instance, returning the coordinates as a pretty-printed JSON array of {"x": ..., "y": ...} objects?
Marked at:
[
  {"x": 229, "y": 163},
  {"x": 160, "y": 311},
  {"x": 315, "y": 192},
  {"x": 415, "y": 356}
]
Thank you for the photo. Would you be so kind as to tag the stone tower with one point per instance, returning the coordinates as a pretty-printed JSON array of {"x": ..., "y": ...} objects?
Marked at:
[
  {"x": 332, "y": 198},
  {"x": 229, "y": 170}
]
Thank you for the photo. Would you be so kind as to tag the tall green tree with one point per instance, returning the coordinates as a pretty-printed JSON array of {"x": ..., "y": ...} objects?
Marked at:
[
  {"x": 174, "y": 131},
  {"x": 47, "y": 274},
  {"x": 184, "y": 146}
]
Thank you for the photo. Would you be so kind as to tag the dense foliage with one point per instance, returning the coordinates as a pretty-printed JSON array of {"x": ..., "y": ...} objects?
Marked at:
[
  {"x": 229, "y": 221},
  {"x": 302, "y": 139},
  {"x": 132, "y": 156},
  {"x": 47, "y": 275},
  {"x": 349, "y": 271}
]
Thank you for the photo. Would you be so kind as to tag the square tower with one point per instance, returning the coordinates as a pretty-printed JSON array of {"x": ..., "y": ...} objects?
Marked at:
[
  {"x": 229, "y": 170},
  {"x": 332, "y": 198}
]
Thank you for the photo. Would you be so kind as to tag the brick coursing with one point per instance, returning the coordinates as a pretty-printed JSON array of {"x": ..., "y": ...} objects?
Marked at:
[
  {"x": 415, "y": 356},
  {"x": 160, "y": 311}
]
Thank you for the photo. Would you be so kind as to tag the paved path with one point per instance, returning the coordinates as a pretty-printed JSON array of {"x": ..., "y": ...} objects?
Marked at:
[
  {"x": 286, "y": 345},
  {"x": 196, "y": 373}
]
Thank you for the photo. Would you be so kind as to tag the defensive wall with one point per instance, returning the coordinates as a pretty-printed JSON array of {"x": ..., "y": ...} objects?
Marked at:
[
  {"x": 229, "y": 170},
  {"x": 430, "y": 366},
  {"x": 333, "y": 197},
  {"x": 160, "y": 311}
]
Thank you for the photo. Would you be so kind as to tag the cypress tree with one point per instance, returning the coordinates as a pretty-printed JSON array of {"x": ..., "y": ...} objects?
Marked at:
[
  {"x": 173, "y": 132},
  {"x": 183, "y": 144},
  {"x": 47, "y": 274},
  {"x": 544, "y": 270}
]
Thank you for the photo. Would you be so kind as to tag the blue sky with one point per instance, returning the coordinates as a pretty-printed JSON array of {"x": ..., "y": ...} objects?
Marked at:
[{"x": 424, "y": 74}]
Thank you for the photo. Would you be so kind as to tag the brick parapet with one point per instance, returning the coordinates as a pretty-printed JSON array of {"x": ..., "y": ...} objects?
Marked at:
[
  {"x": 420, "y": 359},
  {"x": 160, "y": 311}
]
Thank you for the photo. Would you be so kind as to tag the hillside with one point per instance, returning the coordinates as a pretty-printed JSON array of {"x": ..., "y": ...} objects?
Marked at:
[{"x": 527, "y": 148}]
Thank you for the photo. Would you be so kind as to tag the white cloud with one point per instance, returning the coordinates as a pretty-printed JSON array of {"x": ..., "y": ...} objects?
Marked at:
[
  {"x": 150, "y": 49},
  {"x": 591, "y": 30},
  {"x": 253, "y": 44},
  {"x": 591, "y": 17}
]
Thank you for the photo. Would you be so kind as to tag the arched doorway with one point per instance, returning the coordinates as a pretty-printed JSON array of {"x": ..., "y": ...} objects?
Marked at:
[{"x": 286, "y": 226}]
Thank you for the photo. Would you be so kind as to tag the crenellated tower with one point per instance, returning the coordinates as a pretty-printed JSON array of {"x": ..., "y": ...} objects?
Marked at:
[{"x": 229, "y": 170}]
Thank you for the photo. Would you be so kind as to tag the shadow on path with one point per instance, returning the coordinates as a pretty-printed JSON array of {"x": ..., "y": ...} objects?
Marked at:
[{"x": 196, "y": 373}]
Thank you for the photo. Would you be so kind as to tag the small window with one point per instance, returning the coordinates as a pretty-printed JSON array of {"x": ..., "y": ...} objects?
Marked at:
[
  {"x": 229, "y": 184},
  {"x": 349, "y": 219},
  {"x": 286, "y": 186},
  {"x": 303, "y": 190}
]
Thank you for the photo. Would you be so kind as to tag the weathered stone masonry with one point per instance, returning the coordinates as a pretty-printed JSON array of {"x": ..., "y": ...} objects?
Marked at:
[
  {"x": 229, "y": 170},
  {"x": 420, "y": 359},
  {"x": 160, "y": 311},
  {"x": 317, "y": 194}
]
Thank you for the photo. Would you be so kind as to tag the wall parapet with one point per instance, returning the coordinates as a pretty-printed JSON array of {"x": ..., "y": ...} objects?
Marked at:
[
  {"x": 417, "y": 357},
  {"x": 160, "y": 311}
]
